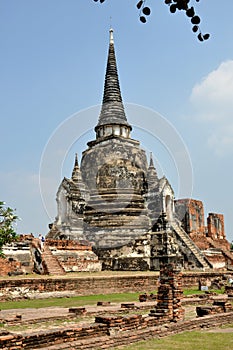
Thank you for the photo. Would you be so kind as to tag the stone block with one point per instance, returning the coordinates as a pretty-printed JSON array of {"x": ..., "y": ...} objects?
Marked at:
[{"x": 77, "y": 310}]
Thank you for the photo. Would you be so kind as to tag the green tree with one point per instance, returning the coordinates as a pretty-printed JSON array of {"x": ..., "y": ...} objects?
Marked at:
[
  {"x": 7, "y": 221},
  {"x": 174, "y": 6}
]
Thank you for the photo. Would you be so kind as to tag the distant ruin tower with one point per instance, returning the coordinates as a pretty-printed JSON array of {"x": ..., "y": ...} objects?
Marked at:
[
  {"x": 114, "y": 169},
  {"x": 71, "y": 197}
]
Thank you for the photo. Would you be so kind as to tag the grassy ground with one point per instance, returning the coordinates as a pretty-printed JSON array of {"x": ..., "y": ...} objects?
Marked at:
[
  {"x": 82, "y": 300},
  {"x": 219, "y": 339},
  {"x": 68, "y": 302},
  {"x": 193, "y": 290},
  {"x": 187, "y": 341}
]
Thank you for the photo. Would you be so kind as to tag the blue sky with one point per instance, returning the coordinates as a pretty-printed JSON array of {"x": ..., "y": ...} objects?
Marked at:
[{"x": 53, "y": 60}]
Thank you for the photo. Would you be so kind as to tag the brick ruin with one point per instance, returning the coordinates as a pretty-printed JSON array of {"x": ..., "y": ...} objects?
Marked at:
[
  {"x": 191, "y": 214},
  {"x": 115, "y": 200},
  {"x": 215, "y": 227},
  {"x": 110, "y": 328},
  {"x": 209, "y": 236},
  {"x": 57, "y": 257},
  {"x": 108, "y": 332},
  {"x": 110, "y": 213},
  {"x": 170, "y": 293}
]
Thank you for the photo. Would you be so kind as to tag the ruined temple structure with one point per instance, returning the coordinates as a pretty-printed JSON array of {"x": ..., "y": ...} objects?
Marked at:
[{"x": 116, "y": 201}]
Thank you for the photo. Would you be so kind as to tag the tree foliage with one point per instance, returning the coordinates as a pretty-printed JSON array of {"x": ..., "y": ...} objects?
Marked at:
[
  {"x": 174, "y": 6},
  {"x": 7, "y": 220}
]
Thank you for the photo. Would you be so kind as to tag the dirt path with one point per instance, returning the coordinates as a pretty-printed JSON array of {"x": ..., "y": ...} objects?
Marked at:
[{"x": 53, "y": 312}]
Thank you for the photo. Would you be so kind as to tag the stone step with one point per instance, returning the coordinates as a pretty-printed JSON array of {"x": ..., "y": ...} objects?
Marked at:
[
  {"x": 52, "y": 264},
  {"x": 224, "y": 251},
  {"x": 190, "y": 244}
]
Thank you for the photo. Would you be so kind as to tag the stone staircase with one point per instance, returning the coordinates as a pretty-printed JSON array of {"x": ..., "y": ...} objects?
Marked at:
[
  {"x": 225, "y": 252},
  {"x": 51, "y": 263},
  {"x": 191, "y": 245}
]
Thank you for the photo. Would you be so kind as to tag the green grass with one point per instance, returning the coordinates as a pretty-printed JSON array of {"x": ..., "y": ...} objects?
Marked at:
[
  {"x": 81, "y": 300},
  {"x": 198, "y": 292},
  {"x": 230, "y": 325},
  {"x": 68, "y": 302},
  {"x": 187, "y": 341}
]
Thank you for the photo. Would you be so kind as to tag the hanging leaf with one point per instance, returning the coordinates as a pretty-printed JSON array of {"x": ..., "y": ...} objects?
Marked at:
[
  {"x": 195, "y": 20},
  {"x": 173, "y": 8},
  {"x": 181, "y": 5},
  {"x": 200, "y": 37},
  {"x": 146, "y": 11},
  {"x": 195, "y": 29},
  {"x": 206, "y": 36},
  {"x": 190, "y": 12},
  {"x": 143, "y": 19},
  {"x": 139, "y": 4}
]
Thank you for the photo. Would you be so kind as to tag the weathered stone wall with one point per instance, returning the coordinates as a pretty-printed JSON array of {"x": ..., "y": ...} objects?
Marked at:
[
  {"x": 19, "y": 254},
  {"x": 73, "y": 261},
  {"x": 170, "y": 294},
  {"x": 134, "y": 256},
  {"x": 8, "y": 266},
  {"x": 25, "y": 256},
  {"x": 74, "y": 256},
  {"x": 114, "y": 170},
  {"x": 112, "y": 331},
  {"x": 215, "y": 224},
  {"x": 210, "y": 239},
  {"x": 69, "y": 244},
  {"x": 191, "y": 213},
  {"x": 81, "y": 286},
  {"x": 201, "y": 240},
  {"x": 34, "y": 288},
  {"x": 216, "y": 258}
]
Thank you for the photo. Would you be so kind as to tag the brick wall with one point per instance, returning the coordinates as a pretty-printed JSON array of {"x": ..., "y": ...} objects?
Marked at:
[
  {"x": 8, "y": 266},
  {"x": 169, "y": 295},
  {"x": 216, "y": 258},
  {"x": 191, "y": 213},
  {"x": 65, "y": 244},
  {"x": 29, "y": 287},
  {"x": 215, "y": 224},
  {"x": 113, "y": 331},
  {"x": 81, "y": 286}
]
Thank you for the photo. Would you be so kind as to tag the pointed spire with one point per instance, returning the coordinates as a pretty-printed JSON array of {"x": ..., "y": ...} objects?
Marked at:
[
  {"x": 76, "y": 179},
  {"x": 111, "y": 41},
  {"x": 76, "y": 159},
  {"x": 112, "y": 111},
  {"x": 152, "y": 176},
  {"x": 76, "y": 171},
  {"x": 151, "y": 165}
]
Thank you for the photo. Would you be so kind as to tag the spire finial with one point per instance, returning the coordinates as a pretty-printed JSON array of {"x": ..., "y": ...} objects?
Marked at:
[
  {"x": 111, "y": 41},
  {"x": 76, "y": 159},
  {"x": 151, "y": 160},
  {"x": 75, "y": 172},
  {"x": 112, "y": 111},
  {"x": 152, "y": 176}
]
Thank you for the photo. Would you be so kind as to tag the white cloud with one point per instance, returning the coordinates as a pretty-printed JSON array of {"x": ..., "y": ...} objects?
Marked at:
[
  {"x": 212, "y": 100},
  {"x": 221, "y": 140}
]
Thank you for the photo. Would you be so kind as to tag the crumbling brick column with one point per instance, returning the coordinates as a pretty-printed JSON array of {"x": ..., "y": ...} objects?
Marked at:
[{"x": 170, "y": 294}]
